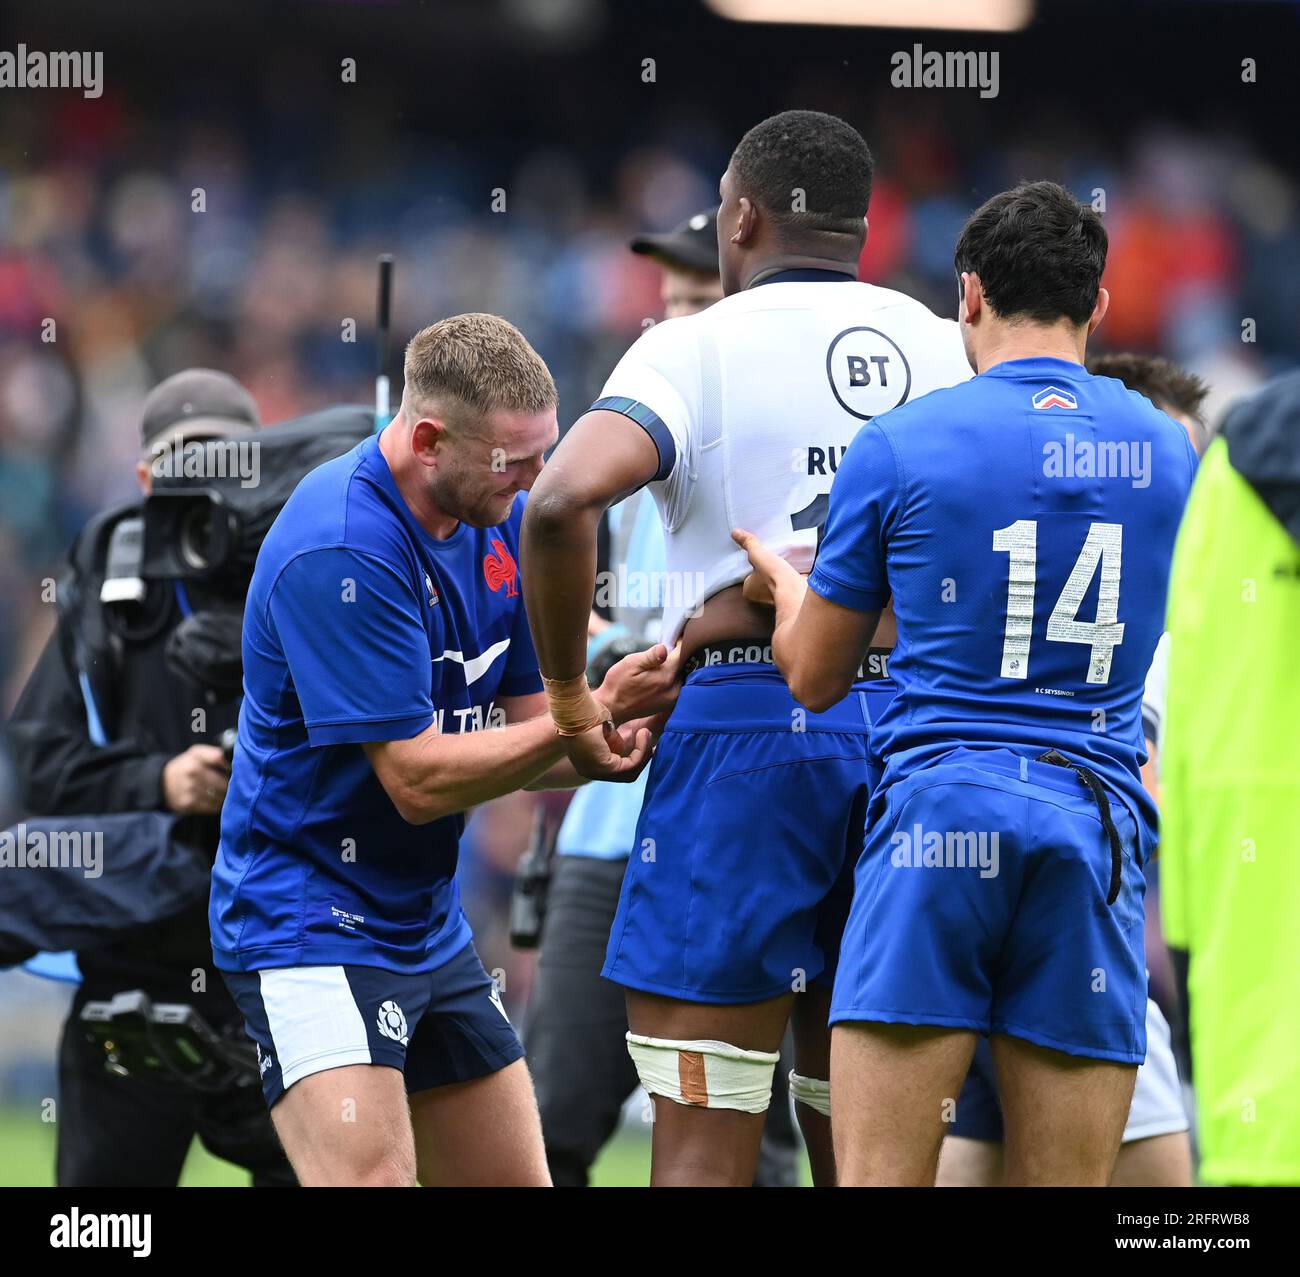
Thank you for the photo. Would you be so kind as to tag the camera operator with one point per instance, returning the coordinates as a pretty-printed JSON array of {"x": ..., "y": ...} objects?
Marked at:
[{"x": 106, "y": 725}]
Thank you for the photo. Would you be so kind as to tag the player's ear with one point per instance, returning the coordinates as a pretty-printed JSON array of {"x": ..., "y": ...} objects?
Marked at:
[
  {"x": 745, "y": 222},
  {"x": 972, "y": 299},
  {"x": 426, "y": 434},
  {"x": 1099, "y": 310}
]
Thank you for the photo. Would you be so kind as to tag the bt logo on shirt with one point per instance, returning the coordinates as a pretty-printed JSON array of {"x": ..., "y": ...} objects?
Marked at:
[{"x": 868, "y": 372}]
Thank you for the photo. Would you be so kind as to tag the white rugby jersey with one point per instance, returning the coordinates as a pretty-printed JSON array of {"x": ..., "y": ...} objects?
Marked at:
[{"x": 751, "y": 405}]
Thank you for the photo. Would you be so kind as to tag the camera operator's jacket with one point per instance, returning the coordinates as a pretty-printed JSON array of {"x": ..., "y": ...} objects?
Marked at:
[{"x": 76, "y": 752}]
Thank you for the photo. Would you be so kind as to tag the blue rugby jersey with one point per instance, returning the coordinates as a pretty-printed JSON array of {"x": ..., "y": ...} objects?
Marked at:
[
  {"x": 359, "y": 626},
  {"x": 1024, "y": 523}
]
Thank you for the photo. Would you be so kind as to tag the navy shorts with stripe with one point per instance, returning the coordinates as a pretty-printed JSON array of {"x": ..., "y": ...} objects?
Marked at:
[{"x": 438, "y": 1027}]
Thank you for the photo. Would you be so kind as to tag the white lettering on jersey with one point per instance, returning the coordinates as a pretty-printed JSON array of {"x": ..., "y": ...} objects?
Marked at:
[{"x": 474, "y": 718}]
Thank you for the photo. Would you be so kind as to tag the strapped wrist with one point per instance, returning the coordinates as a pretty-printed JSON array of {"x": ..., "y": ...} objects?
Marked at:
[{"x": 574, "y": 709}]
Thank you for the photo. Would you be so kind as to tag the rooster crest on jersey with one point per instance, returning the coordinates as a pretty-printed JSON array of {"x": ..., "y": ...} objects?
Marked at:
[
  {"x": 1054, "y": 397},
  {"x": 499, "y": 568}
]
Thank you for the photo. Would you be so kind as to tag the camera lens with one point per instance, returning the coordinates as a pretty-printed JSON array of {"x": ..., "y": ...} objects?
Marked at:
[{"x": 195, "y": 539}]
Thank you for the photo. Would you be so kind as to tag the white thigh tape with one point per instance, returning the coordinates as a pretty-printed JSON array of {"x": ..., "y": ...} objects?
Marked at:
[
  {"x": 812, "y": 1091},
  {"x": 712, "y": 1075}
]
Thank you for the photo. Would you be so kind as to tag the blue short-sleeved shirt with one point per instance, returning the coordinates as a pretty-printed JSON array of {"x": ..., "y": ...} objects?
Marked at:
[
  {"x": 359, "y": 626},
  {"x": 1024, "y": 524}
]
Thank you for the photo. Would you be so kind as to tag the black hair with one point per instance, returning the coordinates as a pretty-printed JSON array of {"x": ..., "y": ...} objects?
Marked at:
[
  {"x": 821, "y": 156},
  {"x": 1038, "y": 253}
]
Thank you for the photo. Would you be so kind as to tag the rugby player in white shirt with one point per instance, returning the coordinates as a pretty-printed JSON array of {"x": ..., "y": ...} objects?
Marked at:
[{"x": 738, "y": 882}]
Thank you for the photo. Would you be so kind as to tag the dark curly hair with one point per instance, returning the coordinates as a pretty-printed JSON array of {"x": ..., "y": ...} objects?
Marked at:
[{"x": 819, "y": 155}]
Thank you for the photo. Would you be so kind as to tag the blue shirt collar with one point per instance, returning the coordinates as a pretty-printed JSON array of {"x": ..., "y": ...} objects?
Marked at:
[
  {"x": 804, "y": 275},
  {"x": 1036, "y": 365}
]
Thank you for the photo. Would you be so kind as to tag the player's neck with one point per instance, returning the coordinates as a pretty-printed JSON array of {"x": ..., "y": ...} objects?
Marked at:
[
  {"x": 1020, "y": 341},
  {"x": 405, "y": 471}
]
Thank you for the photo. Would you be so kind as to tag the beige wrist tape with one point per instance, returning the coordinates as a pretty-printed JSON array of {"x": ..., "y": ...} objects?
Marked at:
[{"x": 573, "y": 708}]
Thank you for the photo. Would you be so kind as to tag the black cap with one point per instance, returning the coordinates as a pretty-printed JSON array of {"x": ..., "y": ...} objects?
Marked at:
[
  {"x": 198, "y": 403},
  {"x": 692, "y": 245}
]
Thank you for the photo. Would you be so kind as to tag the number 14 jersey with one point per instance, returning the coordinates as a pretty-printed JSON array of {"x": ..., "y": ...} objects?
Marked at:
[{"x": 1024, "y": 523}]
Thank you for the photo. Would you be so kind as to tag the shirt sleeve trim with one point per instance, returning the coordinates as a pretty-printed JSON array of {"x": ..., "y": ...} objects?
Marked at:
[
  {"x": 650, "y": 422},
  {"x": 357, "y": 731}
]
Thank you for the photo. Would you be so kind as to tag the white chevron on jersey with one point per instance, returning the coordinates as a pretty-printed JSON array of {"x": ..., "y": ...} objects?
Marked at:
[{"x": 475, "y": 666}]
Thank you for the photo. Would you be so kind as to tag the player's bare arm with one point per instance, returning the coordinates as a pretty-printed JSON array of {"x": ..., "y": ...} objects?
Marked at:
[
  {"x": 603, "y": 458},
  {"x": 436, "y": 774},
  {"x": 817, "y": 645}
]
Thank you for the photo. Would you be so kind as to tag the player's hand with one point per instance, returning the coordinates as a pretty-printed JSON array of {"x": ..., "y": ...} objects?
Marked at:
[
  {"x": 194, "y": 782},
  {"x": 770, "y": 569},
  {"x": 654, "y": 723},
  {"x": 642, "y": 683},
  {"x": 604, "y": 752}
]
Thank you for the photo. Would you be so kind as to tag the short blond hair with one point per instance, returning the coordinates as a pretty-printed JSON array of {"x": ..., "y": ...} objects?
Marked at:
[{"x": 471, "y": 365}]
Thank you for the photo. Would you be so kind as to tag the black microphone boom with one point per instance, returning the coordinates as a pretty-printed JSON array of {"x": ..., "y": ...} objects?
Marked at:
[{"x": 383, "y": 334}]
